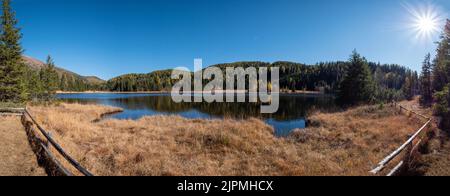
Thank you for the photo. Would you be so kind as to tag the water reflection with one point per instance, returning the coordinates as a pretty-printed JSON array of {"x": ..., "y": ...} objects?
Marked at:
[{"x": 291, "y": 115}]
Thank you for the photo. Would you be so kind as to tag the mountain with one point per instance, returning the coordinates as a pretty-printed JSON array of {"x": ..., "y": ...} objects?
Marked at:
[{"x": 37, "y": 64}]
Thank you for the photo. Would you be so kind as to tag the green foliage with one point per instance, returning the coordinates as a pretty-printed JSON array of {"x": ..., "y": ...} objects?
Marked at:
[
  {"x": 12, "y": 69},
  {"x": 426, "y": 90},
  {"x": 358, "y": 86},
  {"x": 155, "y": 81},
  {"x": 34, "y": 85},
  {"x": 325, "y": 77},
  {"x": 411, "y": 86},
  {"x": 441, "y": 75},
  {"x": 49, "y": 80},
  {"x": 441, "y": 107},
  {"x": 441, "y": 69},
  {"x": 442, "y": 98}
]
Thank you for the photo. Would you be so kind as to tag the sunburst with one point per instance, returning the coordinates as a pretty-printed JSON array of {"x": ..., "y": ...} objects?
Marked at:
[{"x": 425, "y": 21}]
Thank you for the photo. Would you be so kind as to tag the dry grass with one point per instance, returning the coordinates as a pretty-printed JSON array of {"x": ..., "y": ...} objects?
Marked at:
[
  {"x": 16, "y": 156},
  {"x": 347, "y": 143},
  {"x": 435, "y": 154},
  {"x": 357, "y": 139},
  {"x": 435, "y": 160}
]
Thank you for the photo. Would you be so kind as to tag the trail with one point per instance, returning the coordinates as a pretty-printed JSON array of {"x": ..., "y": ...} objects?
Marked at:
[{"x": 16, "y": 155}]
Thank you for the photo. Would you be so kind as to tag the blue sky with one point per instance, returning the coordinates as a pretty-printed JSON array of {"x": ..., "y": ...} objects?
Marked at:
[{"x": 108, "y": 38}]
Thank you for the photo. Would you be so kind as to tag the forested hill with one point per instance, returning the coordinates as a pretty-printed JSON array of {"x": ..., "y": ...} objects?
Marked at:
[
  {"x": 155, "y": 81},
  {"x": 67, "y": 80},
  {"x": 324, "y": 77}
]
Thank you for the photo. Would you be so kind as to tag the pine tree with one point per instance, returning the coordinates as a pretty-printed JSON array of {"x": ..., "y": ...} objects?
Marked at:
[
  {"x": 34, "y": 85},
  {"x": 12, "y": 84},
  {"x": 49, "y": 78},
  {"x": 441, "y": 75},
  {"x": 358, "y": 85},
  {"x": 408, "y": 86},
  {"x": 441, "y": 69},
  {"x": 426, "y": 90},
  {"x": 63, "y": 83}
]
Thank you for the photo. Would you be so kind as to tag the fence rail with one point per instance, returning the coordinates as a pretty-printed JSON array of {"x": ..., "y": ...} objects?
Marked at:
[
  {"x": 11, "y": 111},
  {"x": 409, "y": 146},
  {"x": 42, "y": 147}
]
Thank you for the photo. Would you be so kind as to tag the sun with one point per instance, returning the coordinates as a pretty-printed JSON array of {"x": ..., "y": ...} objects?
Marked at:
[
  {"x": 425, "y": 21},
  {"x": 426, "y": 25}
]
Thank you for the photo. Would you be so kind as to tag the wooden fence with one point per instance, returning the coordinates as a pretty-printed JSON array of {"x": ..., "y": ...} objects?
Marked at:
[
  {"x": 408, "y": 149},
  {"x": 44, "y": 145}
]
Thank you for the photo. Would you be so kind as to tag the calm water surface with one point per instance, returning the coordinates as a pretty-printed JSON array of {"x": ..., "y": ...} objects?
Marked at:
[{"x": 294, "y": 109}]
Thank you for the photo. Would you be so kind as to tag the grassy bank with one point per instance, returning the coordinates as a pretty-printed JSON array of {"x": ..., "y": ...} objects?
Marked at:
[{"x": 346, "y": 143}]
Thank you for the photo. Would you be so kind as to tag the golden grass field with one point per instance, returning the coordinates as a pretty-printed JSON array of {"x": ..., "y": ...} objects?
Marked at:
[{"x": 343, "y": 143}]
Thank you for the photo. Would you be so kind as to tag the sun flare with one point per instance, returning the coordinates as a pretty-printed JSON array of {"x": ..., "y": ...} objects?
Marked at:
[
  {"x": 426, "y": 25},
  {"x": 425, "y": 21}
]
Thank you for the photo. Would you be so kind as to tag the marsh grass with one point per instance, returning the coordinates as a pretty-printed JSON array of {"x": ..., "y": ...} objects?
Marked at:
[{"x": 343, "y": 143}]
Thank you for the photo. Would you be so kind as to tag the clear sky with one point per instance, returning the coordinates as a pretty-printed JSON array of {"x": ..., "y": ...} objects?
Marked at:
[{"x": 108, "y": 38}]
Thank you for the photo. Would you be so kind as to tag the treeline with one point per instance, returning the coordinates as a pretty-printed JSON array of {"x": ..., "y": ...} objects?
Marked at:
[
  {"x": 72, "y": 82},
  {"x": 155, "y": 81},
  {"x": 18, "y": 81},
  {"x": 44, "y": 82},
  {"x": 391, "y": 82},
  {"x": 435, "y": 80}
]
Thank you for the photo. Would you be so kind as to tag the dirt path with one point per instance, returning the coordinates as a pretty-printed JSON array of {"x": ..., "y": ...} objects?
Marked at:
[{"x": 16, "y": 156}]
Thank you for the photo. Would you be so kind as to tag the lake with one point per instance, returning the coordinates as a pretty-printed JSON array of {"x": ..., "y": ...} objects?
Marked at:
[{"x": 292, "y": 114}]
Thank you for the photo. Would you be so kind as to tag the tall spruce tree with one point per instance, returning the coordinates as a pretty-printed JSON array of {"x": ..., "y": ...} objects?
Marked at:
[
  {"x": 49, "y": 78},
  {"x": 410, "y": 85},
  {"x": 441, "y": 69},
  {"x": 426, "y": 90},
  {"x": 12, "y": 84},
  {"x": 441, "y": 78},
  {"x": 358, "y": 85}
]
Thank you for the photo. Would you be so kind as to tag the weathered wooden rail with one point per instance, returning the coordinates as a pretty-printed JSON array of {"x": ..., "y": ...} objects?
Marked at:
[
  {"x": 409, "y": 147},
  {"x": 42, "y": 145},
  {"x": 52, "y": 143},
  {"x": 11, "y": 111}
]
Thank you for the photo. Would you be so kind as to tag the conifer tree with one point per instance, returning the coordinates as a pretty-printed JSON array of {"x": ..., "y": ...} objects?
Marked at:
[
  {"x": 12, "y": 69},
  {"x": 441, "y": 69},
  {"x": 49, "y": 78},
  {"x": 426, "y": 90},
  {"x": 358, "y": 85},
  {"x": 441, "y": 73},
  {"x": 408, "y": 86}
]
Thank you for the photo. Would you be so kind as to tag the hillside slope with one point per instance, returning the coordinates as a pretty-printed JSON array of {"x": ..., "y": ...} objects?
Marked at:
[{"x": 37, "y": 64}]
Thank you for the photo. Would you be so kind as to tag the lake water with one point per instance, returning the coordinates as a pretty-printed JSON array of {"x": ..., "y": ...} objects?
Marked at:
[{"x": 291, "y": 115}]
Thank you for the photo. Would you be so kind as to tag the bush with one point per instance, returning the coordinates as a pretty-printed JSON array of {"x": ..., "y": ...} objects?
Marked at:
[{"x": 441, "y": 108}]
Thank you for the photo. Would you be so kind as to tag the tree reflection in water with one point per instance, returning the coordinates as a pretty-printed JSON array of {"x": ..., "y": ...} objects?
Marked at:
[{"x": 292, "y": 112}]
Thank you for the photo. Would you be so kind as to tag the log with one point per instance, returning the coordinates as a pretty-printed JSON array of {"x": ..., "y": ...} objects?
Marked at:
[
  {"x": 396, "y": 168},
  {"x": 58, "y": 148},
  {"x": 10, "y": 114},
  {"x": 12, "y": 110},
  {"x": 392, "y": 156}
]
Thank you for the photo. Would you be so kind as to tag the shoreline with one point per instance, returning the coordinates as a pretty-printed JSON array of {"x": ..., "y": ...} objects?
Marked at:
[{"x": 169, "y": 92}]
